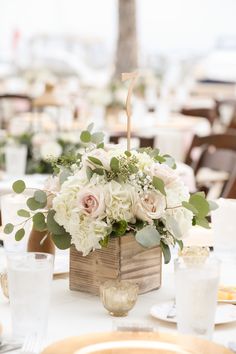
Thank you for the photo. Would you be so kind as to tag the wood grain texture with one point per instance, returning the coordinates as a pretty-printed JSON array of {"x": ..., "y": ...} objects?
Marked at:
[
  {"x": 123, "y": 258},
  {"x": 184, "y": 344}
]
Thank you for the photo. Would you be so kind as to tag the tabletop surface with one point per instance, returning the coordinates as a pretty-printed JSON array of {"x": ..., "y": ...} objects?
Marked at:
[{"x": 75, "y": 313}]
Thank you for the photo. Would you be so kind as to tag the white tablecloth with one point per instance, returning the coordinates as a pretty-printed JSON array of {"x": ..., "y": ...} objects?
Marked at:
[{"x": 74, "y": 313}]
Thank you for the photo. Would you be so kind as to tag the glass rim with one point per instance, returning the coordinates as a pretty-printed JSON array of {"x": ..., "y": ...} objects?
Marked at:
[
  {"x": 15, "y": 255},
  {"x": 209, "y": 260}
]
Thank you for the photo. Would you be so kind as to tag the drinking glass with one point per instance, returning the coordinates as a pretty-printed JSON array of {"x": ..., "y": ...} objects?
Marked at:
[
  {"x": 196, "y": 284},
  {"x": 30, "y": 278},
  {"x": 16, "y": 156}
]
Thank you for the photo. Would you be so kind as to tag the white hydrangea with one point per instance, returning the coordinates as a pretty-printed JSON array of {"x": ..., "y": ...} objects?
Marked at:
[{"x": 119, "y": 199}]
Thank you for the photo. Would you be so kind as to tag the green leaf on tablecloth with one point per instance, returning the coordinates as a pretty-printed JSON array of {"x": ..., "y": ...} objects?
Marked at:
[
  {"x": 148, "y": 236},
  {"x": 23, "y": 213},
  {"x": 119, "y": 228},
  {"x": 8, "y": 228},
  {"x": 213, "y": 205},
  {"x": 40, "y": 196},
  {"x": 115, "y": 164},
  {"x": 85, "y": 136},
  {"x": 190, "y": 207},
  {"x": 19, "y": 234},
  {"x": 52, "y": 225},
  {"x": 159, "y": 184},
  {"x": 34, "y": 205},
  {"x": 18, "y": 186},
  {"x": 62, "y": 241},
  {"x": 166, "y": 252},
  {"x": 39, "y": 222},
  {"x": 95, "y": 161},
  {"x": 97, "y": 138},
  {"x": 199, "y": 203}
]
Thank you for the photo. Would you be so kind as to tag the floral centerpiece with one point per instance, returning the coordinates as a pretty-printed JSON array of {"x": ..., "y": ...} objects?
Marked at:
[
  {"x": 106, "y": 192},
  {"x": 41, "y": 149}
]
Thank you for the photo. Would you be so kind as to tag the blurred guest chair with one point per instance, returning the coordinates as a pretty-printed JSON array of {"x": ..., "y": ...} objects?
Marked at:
[
  {"x": 209, "y": 113},
  {"x": 215, "y": 167},
  {"x": 11, "y": 104}
]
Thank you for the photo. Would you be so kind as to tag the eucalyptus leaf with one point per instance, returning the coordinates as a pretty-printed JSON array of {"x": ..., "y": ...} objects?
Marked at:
[
  {"x": 97, "y": 138},
  {"x": 166, "y": 252},
  {"x": 19, "y": 234},
  {"x": 119, "y": 228},
  {"x": 24, "y": 213},
  {"x": 18, "y": 186},
  {"x": 63, "y": 241},
  {"x": 98, "y": 171},
  {"x": 85, "y": 136},
  {"x": 8, "y": 228},
  {"x": 104, "y": 242},
  {"x": 39, "y": 222},
  {"x": 100, "y": 146},
  {"x": 159, "y": 158},
  {"x": 148, "y": 236},
  {"x": 90, "y": 127},
  {"x": 95, "y": 161},
  {"x": 115, "y": 164},
  {"x": 173, "y": 226},
  {"x": 52, "y": 225},
  {"x": 34, "y": 205},
  {"x": 40, "y": 196},
  {"x": 128, "y": 153},
  {"x": 170, "y": 161},
  {"x": 180, "y": 243},
  {"x": 159, "y": 184},
  {"x": 213, "y": 205},
  {"x": 64, "y": 176},
  {"x": 89, "y": 172},
  {"x": 190, "y": 207},
  {"x": 201, "y": 204},
  {"x": 203, "y": 222}
]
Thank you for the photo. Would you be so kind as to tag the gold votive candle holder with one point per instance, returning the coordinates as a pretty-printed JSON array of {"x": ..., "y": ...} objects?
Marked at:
[
  {"x": 118, "y": 296},
  {"x": 194, "y": 254}
]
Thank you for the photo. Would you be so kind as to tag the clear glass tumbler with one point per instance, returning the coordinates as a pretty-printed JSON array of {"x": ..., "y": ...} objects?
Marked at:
[
  {"x": 30, "y": 279},
  {"x": 196, "y": 284},
  {"x": 16, "y": 157}
]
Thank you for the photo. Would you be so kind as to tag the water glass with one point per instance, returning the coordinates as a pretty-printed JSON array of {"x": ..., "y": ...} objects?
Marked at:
[
  {"x": 16, "y": 156},
  {"x": 30, "y": 279},
  {"x": 196, "y": 284}
]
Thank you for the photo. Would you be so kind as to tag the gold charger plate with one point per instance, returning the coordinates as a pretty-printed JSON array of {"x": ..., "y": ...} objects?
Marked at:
[{"x": 164, "y": 343}]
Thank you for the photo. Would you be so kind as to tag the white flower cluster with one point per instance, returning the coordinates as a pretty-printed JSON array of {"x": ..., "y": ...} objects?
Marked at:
[{"x": 88, "y": 207}]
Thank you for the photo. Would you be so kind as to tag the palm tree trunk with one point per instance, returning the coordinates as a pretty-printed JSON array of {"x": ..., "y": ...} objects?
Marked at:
[{"x": 127, "y": 47}]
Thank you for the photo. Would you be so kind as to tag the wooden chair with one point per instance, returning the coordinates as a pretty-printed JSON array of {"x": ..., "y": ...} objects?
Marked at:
[
  {"x": 218, "y": 153},
  {"x": 218, "y": 141},
  {"x": 209, "y": 113},
  {"x": 12, "y": 100},
  {"x": 143, "y": 141}
]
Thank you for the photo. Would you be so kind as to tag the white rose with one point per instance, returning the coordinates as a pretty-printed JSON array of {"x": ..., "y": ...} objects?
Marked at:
[
  {"x": 176, "y": 193},
  {"x": 178, "y": 222},
  {"x": 90, "y": 201},
  {"x": 150, "y": 206},
  {"x": 119, "y": 199},
  {"x": 50, "y": 149},
  {"x": 167, "y": 174},
  {"x": 52, "y": 186}
]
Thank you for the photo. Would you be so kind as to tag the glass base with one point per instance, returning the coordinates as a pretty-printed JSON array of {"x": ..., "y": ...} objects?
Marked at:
[{"x": 118, "y": 314}]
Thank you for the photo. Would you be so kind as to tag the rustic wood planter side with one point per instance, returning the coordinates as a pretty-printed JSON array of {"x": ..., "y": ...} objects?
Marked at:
[{"x": 123, "y": 258}]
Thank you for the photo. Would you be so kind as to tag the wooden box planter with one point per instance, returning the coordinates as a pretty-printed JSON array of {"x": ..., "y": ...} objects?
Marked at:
[{"x": 124, "y": 258}]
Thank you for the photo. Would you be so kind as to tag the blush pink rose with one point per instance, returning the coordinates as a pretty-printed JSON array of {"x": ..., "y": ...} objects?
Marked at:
[
  {"x": 150, "y": 206},
  {"x": 91, "y": 202}
]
